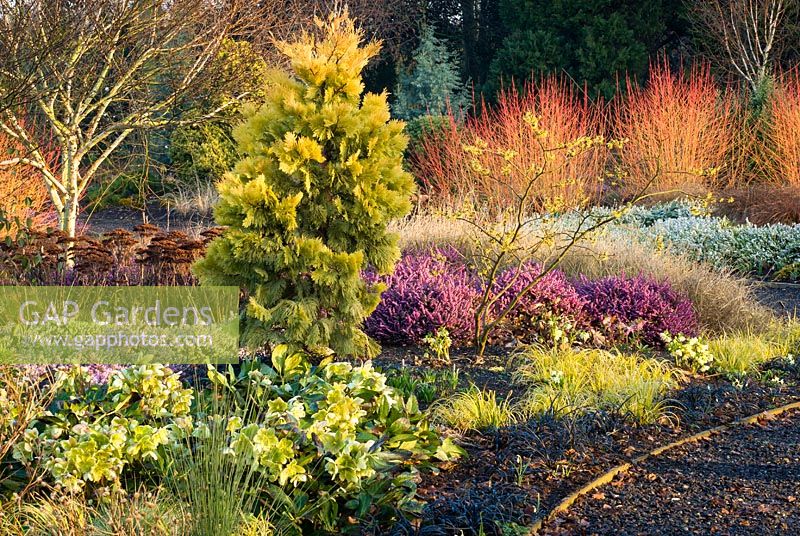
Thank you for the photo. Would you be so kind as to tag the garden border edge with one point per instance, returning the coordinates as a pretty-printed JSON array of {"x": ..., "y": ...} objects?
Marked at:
[{"x": 609, "y": 475}]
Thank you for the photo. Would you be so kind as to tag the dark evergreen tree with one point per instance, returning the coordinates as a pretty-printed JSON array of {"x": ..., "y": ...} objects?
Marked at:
[
  {"x": 433, "y": 84},
  {"x": 593, "y": 41}
]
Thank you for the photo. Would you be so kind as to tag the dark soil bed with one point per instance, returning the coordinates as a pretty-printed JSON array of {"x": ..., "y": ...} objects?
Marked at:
[
  {"x": 515, "y": 475},
  {"x": 743, "y": 481},
  {"x": 108, "y": 219}
]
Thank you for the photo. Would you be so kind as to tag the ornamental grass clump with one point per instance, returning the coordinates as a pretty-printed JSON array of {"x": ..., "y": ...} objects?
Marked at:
[
  {"x": 307, "y": 209},
  {"x": 220, "y": 490},
  {"x": 151, "y": 512},
  {"x": 740, "y": 354},
  {"x": 637, "y": 309},
  {"x": 429, "y": 290},
  {"x": 574, "y": 382},
  {"x": 475, "y": 409}
]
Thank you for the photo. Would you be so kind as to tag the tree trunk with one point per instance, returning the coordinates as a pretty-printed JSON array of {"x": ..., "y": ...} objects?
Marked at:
[
  {"x": 69, "y": 217},
  {"x": 470, "y": 35}
]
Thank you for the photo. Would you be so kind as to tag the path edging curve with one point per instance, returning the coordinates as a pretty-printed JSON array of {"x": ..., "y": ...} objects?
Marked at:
[{"x": 609, "y": 475}]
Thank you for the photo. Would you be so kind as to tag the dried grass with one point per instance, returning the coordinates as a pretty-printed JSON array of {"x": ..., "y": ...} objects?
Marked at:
[{"x": 762, "y": 204}]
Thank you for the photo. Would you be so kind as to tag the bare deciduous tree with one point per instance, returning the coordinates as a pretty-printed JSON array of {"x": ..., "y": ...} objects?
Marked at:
[
  {"x": 745, "y": 35},
  {"x": 89, "y": 73}
]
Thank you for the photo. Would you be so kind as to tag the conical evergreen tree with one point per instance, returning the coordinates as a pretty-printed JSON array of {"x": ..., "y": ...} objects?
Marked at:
[
  {"x": 434, "y": 83},
  {"x": 307, "y": 209}
]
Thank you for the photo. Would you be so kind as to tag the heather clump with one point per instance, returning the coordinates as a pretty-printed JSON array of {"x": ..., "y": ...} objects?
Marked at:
[
  {"x": 429, "y": 289},
  {"x": 637, "y": 308},
  {"x": 551, "y": 311}
]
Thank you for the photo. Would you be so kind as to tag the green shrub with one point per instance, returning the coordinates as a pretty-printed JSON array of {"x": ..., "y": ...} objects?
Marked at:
[
  {"x": 307, "y": 210},
  {"x": 314, "y": 447},
  {"x": 203, "y": 151},
  {"x": 593, "y": 41},
  {"x": 424, "y": 130},
  {"x": 573, "y": 382},
  {"x": 96, "y": 433},
  {"x": 692, "y": 353},
  {"x": 433, "y": 85}
]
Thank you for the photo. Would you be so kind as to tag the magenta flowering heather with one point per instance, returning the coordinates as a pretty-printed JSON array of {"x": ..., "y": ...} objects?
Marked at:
[
  {"x": 428, "y": 290},
  {"x": 637, "y": 308},
  {"x": 551, "y": 308}
]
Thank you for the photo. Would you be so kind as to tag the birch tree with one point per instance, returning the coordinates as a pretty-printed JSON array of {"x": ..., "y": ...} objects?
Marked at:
[
  {"x": 89, "y": 73},
  {"x": 745, "y": 35}
]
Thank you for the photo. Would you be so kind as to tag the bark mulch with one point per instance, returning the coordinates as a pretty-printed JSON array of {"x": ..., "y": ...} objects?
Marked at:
[
  {"x": 515, "y": 475},
  {"x": 742, "y": 481},
  {"x": 783, "y": 298}
]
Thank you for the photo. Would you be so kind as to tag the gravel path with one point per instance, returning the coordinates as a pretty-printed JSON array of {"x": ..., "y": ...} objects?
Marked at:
[
  {"x": 782, "y": 298},
  {"x": 112, "y": 218},
  {"x": 741, "y": 482}
]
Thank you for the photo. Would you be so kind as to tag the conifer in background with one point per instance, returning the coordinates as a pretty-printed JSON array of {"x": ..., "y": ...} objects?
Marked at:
[
  {"x": 307, "y": 209},
  {"x": 433, "y": 85}
]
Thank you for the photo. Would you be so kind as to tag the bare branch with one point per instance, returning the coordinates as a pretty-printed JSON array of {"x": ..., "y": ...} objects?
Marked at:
[{"x": 745, "y": 35}]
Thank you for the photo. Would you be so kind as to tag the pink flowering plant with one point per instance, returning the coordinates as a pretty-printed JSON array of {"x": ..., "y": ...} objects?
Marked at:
[
  {"x": 429, "y": 289},
  {"x": 637, "y": 309}
]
